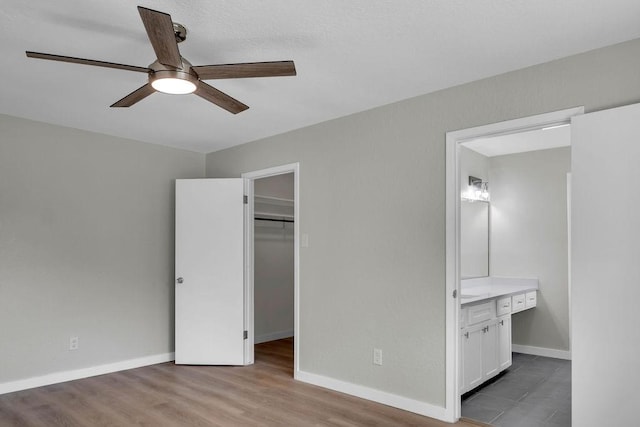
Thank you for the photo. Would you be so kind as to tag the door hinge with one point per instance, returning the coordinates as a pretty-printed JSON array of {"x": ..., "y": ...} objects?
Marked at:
[
  {"x": 245, "y": 199},
  {"x": 245, "y": 335},
  {"x": 455, "y": 293}
]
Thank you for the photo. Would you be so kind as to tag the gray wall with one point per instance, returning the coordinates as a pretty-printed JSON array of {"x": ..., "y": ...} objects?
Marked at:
[
  {"x": 273, "y": 264},
  {"x": 86, "y": 247},
  {"x": 373, "y": 203},
  {"x": 529, "y": 238}
]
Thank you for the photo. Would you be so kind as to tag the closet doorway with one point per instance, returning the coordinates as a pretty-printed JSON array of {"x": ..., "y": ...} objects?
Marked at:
[
  {"x": 272, "y": 253},
  {"x": 273, "y": 258}
]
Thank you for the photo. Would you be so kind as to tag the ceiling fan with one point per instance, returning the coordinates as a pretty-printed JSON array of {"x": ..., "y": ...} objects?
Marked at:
[{"x": 173, "y": 74}]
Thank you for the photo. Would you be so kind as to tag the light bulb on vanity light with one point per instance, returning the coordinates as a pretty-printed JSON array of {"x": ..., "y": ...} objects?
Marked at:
[
  {"x": 484, "y": 193},
  {"x": 477, "y": 190}
]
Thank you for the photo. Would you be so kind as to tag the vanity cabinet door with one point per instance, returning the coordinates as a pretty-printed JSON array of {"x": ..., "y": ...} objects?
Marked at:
[
  {"x": 472, "y": 358},
  {"x": 490, "y": 350},
  {"x": 504, "y": 342}
]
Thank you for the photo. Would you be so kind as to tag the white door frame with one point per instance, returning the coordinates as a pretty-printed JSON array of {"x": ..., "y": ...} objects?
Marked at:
[
  {"x": 249, "y": 178},
  {"x": 569, "y": 276},
  {"x": 452, "y": 232}
]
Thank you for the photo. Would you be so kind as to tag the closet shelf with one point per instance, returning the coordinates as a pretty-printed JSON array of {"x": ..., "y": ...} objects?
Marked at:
[
  {"x": 273, "y": 209},
  {"x": 274, "y": 219},
  {"x": 272, "y": 215}
]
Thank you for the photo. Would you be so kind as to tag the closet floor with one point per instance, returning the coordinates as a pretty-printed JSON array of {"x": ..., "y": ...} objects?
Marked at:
[{"x": 535, "y": 391}]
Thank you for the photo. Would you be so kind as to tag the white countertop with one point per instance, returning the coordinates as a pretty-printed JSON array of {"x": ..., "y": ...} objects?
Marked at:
[{"x": 483, "y": 288}]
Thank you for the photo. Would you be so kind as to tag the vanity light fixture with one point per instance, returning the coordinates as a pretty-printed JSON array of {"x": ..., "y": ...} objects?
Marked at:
[{"x": 478, "y": 190}]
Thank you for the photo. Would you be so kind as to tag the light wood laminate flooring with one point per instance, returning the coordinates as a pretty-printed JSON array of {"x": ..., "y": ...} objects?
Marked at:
[{"x": 264, "y": 394}]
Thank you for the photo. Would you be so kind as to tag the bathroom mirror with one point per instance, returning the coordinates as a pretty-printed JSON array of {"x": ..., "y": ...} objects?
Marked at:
[{"x": 474, "y": 239}]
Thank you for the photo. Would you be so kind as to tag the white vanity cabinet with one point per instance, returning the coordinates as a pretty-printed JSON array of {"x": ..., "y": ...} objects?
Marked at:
[
  {"x": 480, "y": 344},
  {"x": 485, "y": 341},
  {"x": 487, "y": 304},
  {"x": 486, "y": 351}
]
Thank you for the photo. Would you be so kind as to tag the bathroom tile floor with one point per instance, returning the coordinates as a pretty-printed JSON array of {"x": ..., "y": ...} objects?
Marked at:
[{"x": 535, "y": 391}]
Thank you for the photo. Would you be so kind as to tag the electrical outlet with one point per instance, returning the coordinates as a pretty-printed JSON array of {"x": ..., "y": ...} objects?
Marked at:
[
  {"x": 377, "y": 356},
  {"x": 74, "y": 343}
]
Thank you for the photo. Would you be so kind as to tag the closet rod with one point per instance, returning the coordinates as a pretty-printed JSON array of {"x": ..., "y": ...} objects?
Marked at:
[{"x": 273, "y": 219}]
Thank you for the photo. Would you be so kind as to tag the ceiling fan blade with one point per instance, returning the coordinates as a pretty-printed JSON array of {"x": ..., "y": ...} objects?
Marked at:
[
  {"x": 219, "y": 98},
  {"x": 135, "y": 96},
  {"x": 73, "y": 60},
  {"x": 161, "y": 35},
  {"x": 247, "y": 69}
]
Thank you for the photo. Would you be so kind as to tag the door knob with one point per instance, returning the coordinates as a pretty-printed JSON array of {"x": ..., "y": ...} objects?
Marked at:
[{"x": 179, "y": 280}]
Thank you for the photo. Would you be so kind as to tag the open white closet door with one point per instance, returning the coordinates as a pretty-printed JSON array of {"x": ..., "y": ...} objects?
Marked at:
[
  {"x": 605, "y": 267},
  {"x": 209, "y": 262}
]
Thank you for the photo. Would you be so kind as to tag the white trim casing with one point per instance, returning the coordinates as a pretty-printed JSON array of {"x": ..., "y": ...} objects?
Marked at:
[
  {"x": 374, "y": 395},
  {"x": 249, "y": 177},
  {"x": 452, "y": 280},
  {"x": 452, "y": 232},
  {"x": 569, "y": 189},
  {"x": 249, "y": 356},
  {"x": 76, "y": 374},
  {"x": 542, "y": 351}
]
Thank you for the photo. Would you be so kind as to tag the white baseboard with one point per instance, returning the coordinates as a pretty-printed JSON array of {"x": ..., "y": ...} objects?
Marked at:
[
  {"x": 273, "y": 336},
  {"x": 372, "y": 394},
  {"x": 76, "y": 374},
  {"x": 542, "y": 351}
]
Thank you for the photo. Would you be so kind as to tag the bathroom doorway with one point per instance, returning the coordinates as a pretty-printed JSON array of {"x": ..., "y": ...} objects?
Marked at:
[{"x": 525, "y": 163}]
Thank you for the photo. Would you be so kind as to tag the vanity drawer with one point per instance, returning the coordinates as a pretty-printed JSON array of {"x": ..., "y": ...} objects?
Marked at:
[
  {"x": 531, "y": 299},
  {"x": 503, "y": 306},
  {"x": 480, "y": 312},
  {"x": 518, "y": 303}
]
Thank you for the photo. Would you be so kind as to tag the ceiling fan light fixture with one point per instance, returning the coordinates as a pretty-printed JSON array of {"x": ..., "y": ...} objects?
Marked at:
[
  {"x": 173, "y": 86},
  {"x": 173, "y": 82}
]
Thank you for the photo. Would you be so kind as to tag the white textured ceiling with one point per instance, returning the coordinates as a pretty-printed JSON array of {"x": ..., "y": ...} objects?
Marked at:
[{"x": 350, "y": 56}]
